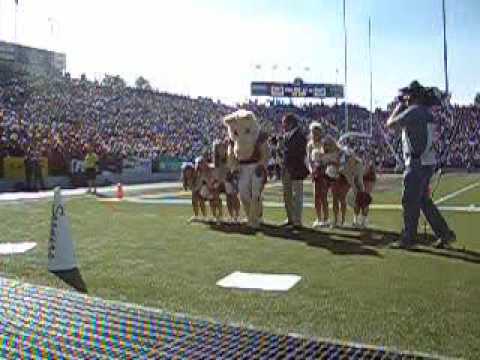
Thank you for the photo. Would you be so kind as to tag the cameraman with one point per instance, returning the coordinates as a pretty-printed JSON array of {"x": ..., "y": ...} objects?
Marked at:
[{"x": 414, "y": 117}]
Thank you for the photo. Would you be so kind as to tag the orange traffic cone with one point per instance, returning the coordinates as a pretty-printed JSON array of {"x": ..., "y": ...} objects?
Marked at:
[{"x": 120, "y": 191}]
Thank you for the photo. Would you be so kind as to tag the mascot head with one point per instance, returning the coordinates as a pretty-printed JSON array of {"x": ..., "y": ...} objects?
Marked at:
[{"x": 243, "y": 130}]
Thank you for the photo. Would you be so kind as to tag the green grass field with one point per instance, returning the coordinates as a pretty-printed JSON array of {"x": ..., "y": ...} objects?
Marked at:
[{"x": 353, "y": 288}]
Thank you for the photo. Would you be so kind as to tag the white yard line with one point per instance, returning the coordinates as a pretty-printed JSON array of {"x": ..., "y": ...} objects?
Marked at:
[
  {"x": 456, "y": 193},
  {"x": 272, "y": 204}
]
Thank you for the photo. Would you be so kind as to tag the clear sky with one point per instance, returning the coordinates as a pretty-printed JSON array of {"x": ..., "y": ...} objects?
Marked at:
[{"x": 211, "y": 47}]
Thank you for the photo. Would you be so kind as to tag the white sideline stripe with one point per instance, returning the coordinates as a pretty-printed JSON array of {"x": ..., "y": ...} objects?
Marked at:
[
  {"x": 456, "y": 193},
  {"x": 15, "y": 196},
  {"x": 270, "y": 204}
]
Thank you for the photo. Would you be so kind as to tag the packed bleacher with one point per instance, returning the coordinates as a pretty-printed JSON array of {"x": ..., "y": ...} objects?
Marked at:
[
  {"x": 457, "y": 142},
  {"x": 59, "y": 117}
]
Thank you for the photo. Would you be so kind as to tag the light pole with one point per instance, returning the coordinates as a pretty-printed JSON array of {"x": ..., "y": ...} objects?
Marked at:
[
  {"x": 336, "y": 83},
  {"x": 371, "y": 71},
  {"x": 345, "y": 63},
  {"x": 445, "y": 54},
  {"x": 16, "y": 15},
  {"x": 54, "y": 26}
]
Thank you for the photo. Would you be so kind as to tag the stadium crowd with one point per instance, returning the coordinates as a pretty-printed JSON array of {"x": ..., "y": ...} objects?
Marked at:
[{"x": 59, "y": 117}]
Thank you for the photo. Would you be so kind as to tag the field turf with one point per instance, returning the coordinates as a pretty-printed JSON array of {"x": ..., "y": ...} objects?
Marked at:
[{"x": 353, "y": 288}]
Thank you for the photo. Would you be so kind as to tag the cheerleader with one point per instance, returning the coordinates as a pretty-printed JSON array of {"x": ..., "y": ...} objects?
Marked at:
[{"x": 320, "y": 183}]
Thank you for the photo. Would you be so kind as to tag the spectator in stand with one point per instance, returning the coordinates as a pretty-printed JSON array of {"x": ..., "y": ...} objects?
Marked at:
[
  {"x": 68, "y": 113},
  {"x": 28, "y": 163},
  {"x": 91, "y": 164},
  {"x": 38, "y": 181}
]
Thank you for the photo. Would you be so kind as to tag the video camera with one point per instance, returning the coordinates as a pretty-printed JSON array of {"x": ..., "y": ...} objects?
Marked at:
[{"x": 428, "y": 96}]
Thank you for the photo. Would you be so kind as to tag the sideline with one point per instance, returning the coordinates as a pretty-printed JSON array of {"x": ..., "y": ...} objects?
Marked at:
[{"x": 17, "y": 196}]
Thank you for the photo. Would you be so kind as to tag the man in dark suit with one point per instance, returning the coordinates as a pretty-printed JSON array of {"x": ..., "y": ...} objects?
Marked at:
[{"x": 294, "y": 169}]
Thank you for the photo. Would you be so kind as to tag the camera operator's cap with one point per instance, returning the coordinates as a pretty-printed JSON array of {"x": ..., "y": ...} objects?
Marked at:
[{"x": 414, "y": 87}]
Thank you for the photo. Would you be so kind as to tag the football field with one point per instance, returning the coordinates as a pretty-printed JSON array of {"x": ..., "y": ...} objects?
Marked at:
[{"x": 353, "y": 288}]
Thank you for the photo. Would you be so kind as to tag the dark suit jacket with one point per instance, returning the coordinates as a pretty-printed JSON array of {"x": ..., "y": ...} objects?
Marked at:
[{"x": 295, "y": 153}]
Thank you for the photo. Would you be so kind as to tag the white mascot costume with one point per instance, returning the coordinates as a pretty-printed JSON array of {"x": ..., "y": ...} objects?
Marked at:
[{"x": 247, "y": 153}]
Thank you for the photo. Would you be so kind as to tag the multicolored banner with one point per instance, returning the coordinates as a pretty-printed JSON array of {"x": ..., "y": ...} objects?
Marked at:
[{"x": 297, "y": 89}]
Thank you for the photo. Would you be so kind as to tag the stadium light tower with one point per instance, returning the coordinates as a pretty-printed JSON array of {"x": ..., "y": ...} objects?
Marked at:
[
  {"x": 54, "y": 31},
  {"x": 371, "y": 73},
  {"x": 345, "y": 63},
  {"x": 16, "y": 15},
  {"x": 445, "y": 54}
]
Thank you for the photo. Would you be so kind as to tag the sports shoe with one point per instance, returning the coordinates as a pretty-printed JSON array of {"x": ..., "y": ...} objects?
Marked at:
[
  {"x": 298, "y": 226},
  {"x": 325, "y": 224},
  {"x": 365, "y": 223},
  {"x": 355, "y": 224},
  {"x": 317, "y": 224},
  {"x": 286, "y": 224},
  {"x": 444, "y": 242},
  {"x": 402, "y": 245}
]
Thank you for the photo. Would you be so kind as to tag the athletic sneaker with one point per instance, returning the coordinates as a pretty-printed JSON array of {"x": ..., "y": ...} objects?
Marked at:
[
  {"x": 365, "y": 223},
  {"x": 444, "y": 242},
  {"x": 402, "y": 245},
  {"x": 317, "y": 224},
  {"x": 325, "y": 224},
  {"x": 298, "y": 226},
  {"x": 286, "y": 224}
]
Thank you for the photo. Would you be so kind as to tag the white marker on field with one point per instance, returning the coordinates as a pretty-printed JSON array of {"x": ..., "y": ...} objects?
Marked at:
[{"x": 456, "y": 193}]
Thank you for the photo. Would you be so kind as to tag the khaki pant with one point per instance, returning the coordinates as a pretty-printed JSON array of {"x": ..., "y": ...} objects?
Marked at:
[
  {"x": 250, "y": 187},
  {"x": 293, "y": 197}
]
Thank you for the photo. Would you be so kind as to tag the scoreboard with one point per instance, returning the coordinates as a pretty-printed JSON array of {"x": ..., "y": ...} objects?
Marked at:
[{"x": 297, "y": 89}]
